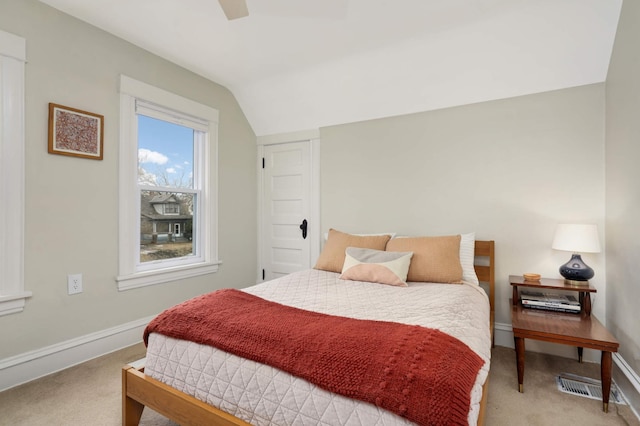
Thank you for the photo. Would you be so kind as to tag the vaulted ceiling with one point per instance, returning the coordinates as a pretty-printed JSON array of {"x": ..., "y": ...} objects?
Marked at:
[{"x": 304, "y": 64}]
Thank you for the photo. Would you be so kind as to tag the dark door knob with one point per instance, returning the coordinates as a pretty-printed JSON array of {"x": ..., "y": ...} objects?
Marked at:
[{"x": 303, "y": 227}]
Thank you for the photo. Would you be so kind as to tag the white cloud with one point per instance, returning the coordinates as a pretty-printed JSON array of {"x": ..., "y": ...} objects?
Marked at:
[
  {"x": 171, "y": 170},
  {"x": 148, "y": 156},
  {"x": 146, "y": 177}
]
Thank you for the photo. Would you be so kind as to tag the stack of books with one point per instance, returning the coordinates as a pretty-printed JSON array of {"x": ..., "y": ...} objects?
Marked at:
[{"x": 549, "y": 301}]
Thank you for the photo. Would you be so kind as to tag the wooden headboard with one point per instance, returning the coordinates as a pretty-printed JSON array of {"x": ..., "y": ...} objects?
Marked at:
[{"x": 485, "y": 270}]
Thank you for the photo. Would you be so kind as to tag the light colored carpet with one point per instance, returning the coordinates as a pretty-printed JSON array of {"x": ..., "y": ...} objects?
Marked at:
[
  {"x": 89, "y": 394},
  {"x": 542, "y": 404}
]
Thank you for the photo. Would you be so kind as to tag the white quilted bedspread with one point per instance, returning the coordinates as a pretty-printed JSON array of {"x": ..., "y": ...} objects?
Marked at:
[{"x": 263, "y": 395}]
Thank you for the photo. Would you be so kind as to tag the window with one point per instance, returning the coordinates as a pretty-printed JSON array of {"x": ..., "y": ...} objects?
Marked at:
[
  {"x": 168, "y": 216},
  {"x": 12, "y": 59}
]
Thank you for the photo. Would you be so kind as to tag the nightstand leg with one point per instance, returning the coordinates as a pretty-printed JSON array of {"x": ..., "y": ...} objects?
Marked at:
[
  {"x": 580, "y": 354},
  {"x": 519, "y": 341},
  {"x": 605, "y": 373},
  {"x": 586, "y": 305}
]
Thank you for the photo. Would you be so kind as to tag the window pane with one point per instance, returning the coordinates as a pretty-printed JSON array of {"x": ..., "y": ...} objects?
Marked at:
[
  {"x": 166, "y": 225},
  {"x": 165, "y": 153}
]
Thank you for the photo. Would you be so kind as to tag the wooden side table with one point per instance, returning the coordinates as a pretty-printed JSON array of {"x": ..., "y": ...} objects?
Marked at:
[{"x": 580, "y": 330}]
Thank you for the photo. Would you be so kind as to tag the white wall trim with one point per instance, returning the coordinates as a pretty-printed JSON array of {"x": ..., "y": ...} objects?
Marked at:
[
  {"x": 32, "y": 365},
  {"x": 503, "y": 335},
  {"x": 142, "y": 90},
  {"x": 314, "y": 219},
  {"x": 12, "y": 180},
  {"x": 627, "y": 371},
  {"x": 314, "y": 228},
  {"x": 128, "y": 282},
  {"x": 131, "y": 273},
  {"x": 628, "y": 383},
  {"x": 13, "y": 46},
  {"x": 312, "y": 135},
  {"x": 302, "y": 135}
]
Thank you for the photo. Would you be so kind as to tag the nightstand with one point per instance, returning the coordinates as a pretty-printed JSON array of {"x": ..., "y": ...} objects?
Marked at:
[{"x": 581, "y": 330}]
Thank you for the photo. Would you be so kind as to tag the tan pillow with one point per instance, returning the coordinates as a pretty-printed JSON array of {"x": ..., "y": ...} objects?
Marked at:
[
  {"x": 332, "y": 257},
  {"x": 435, "y": 259}
]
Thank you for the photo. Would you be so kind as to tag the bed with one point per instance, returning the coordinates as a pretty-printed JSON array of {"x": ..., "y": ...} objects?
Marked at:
[{"x": 177, "y": 379}]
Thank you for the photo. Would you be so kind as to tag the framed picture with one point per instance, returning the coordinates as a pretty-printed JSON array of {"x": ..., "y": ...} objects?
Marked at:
[{"x": 74, "y": 132}]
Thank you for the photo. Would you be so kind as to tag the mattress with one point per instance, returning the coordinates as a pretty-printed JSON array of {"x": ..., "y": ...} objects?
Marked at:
[{"x": 263, "y": 395}]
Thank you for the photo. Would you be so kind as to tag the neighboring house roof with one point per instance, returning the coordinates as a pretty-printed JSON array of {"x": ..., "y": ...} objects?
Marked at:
[
  {"x": 148, "y": 211},
  {"x": 173, "y": 217},
  {"x": 163, "y": 199}
]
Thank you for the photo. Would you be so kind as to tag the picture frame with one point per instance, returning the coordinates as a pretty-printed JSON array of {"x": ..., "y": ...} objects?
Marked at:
[{"x": 75, "y": 132}]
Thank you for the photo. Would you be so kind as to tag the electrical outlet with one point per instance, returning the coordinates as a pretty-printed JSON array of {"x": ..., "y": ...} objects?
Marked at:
[{"x": 74, "y": 283}]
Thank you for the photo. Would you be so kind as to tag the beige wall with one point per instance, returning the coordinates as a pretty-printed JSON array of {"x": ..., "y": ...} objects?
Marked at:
[
  {"x": 72, "y": 204},
  {"x": 623, "y": 187},
  {"x": 510, "y": 170}
]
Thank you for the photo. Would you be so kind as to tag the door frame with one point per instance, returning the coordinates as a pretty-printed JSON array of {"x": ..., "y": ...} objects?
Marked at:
[{"x": 313, "y": 137}]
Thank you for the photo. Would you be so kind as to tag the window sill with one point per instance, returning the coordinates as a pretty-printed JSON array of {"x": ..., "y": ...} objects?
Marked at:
[
  {"x": 14, "y": 303},
  {"x": 143, "y": 279}
]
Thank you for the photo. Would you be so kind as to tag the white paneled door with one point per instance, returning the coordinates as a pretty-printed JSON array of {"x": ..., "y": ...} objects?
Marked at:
[{"x": 286, "y": 208}]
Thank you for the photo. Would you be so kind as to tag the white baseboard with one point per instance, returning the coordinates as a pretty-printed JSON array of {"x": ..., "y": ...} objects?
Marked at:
[
  {"x": 628, "y": 382},
  {"x": 32, "y": 365},
  {"x": 503, "y": 335}
]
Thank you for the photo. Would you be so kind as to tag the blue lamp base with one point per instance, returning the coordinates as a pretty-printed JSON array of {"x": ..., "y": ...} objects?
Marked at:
[{"x": 575, "y": 271}]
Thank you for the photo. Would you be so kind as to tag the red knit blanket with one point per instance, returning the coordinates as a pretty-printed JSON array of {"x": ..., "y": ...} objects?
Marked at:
[{"x": 418, "y": 373}]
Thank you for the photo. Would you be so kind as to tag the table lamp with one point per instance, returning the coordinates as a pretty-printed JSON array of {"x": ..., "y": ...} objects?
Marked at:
[{"x": 578, "y": 239}]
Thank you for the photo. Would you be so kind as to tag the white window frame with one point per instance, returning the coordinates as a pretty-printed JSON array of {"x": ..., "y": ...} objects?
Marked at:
[
  {"x": 12, "y": 165},
  {"x": 131, "y": 273}
]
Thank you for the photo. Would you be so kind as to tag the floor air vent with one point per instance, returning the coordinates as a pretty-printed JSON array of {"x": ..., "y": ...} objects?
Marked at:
[{"x": 589, "y": 388}]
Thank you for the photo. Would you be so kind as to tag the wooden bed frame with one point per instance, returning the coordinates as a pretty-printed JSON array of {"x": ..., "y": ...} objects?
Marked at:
[{"x": 139, "y": 390}]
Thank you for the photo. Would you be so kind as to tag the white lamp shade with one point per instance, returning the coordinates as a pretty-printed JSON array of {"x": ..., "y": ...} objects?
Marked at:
[{"x": 577, "y": 238}]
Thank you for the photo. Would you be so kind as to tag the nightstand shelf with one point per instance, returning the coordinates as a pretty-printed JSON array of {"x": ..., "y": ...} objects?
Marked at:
[
  {"x": 545, "y": 284},
  {"x": 580, "y": 330}
]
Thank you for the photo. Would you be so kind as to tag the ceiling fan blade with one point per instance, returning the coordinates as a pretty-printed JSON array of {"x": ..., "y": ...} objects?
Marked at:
[{"x": 234, "y": 9}]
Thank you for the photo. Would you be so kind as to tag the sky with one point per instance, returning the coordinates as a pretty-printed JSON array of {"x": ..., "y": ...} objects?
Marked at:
[{"x": 164, "y": 150}]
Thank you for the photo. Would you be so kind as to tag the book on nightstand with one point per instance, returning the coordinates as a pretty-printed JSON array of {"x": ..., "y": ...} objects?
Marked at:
[{"x": 549, "y": 301}]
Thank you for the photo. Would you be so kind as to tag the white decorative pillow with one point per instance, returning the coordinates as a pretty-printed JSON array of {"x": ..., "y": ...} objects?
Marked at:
[
  {"x": 376, "y": 266},
  {"x": 467, "y": 258}
]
